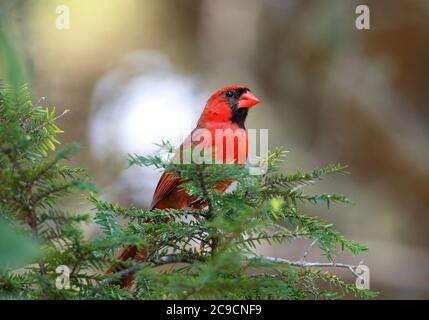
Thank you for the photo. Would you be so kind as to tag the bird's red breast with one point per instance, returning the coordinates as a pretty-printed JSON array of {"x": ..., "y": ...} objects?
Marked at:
[
  {"x": 220, "y": 131},
  {"x": 222, "y": 118}
]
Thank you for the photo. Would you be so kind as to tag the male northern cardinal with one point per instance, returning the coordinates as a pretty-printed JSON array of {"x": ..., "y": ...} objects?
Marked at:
[{"x": 225, "y": 109}]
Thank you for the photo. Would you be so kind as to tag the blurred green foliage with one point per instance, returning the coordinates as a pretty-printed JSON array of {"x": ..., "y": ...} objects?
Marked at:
[
  {"x": 11, "y": 64},
  {"x": 17, "y": 247}
]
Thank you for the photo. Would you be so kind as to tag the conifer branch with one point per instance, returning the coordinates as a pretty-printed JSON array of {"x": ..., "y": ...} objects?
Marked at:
[
  {"x": 49, "y": 122},
  {"x": 304, "y": 264},
  {"x": 154, "y": 263},
  {"x": 216, "y": 246}
]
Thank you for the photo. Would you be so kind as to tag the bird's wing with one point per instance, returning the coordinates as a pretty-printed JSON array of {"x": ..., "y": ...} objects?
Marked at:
[{"x": 167, "y": 183}]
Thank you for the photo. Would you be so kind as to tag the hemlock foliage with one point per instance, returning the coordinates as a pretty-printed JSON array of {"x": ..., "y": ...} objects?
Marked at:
[{"x": 192, "y": 254}]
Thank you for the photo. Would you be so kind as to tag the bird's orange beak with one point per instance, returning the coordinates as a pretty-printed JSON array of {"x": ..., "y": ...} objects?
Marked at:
[{"x": 248, "y": 100}]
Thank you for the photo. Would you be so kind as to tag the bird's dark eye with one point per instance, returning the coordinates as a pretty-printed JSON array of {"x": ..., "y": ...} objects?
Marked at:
[{"x": 229, "y": 93}]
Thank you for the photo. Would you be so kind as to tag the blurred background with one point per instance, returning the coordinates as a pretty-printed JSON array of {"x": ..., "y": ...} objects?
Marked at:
[{"x": 135, "y": 72}]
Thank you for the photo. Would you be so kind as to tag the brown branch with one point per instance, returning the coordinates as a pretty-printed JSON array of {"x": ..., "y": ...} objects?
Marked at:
[{"x": 159, "y": 262}]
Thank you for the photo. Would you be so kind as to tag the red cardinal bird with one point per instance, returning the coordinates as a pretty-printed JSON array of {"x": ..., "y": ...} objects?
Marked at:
[{"x": 226, "y": 109}]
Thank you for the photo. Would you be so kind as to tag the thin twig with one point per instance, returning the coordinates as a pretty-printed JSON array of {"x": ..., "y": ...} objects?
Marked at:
[
  {"x": 49, "y": 122},
  {"x": 159, "y": 262},
  {"x": 269, "y": 237},
  {"x": 304, "y": 256},
  {"x": 305, "y": 264},
  {"x": 37, "y": 198},
  {"x": 307, "y": 251}
]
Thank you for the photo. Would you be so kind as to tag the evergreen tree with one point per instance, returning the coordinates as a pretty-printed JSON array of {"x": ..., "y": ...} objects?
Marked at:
[{"x": 191, "y": 254}]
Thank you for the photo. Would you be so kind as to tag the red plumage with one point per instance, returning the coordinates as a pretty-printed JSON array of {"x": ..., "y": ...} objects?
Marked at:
[{"x": 225, "y": 109}]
